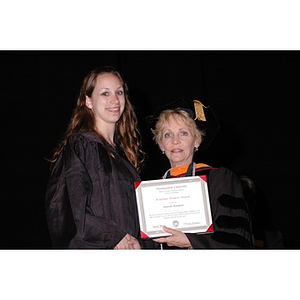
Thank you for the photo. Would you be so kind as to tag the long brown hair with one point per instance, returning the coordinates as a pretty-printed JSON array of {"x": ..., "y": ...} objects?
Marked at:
[{"x": 127, "y": 135}]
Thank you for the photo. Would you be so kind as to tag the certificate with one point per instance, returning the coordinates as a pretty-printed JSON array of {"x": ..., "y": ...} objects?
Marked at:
[{"x": 178, "y": 203}]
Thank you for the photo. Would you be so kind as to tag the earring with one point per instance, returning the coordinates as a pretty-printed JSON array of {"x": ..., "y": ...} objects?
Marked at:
[
  {"x": 163, "y": 152},
  {"x": 196, "y": 149}
]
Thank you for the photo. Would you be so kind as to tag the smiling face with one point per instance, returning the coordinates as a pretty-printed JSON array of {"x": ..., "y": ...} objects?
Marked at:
[
  {"x": 107, "y": 100},
  {"x": 178, "y": 141}
]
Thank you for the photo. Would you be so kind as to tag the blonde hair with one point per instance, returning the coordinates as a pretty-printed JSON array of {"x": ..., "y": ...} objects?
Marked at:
[
  {"x": 178, "y": 114},
  {"x": 127, "y": 135}
]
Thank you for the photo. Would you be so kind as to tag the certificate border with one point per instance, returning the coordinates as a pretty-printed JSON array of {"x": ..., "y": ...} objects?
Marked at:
[{"x": 207, "y": 227}]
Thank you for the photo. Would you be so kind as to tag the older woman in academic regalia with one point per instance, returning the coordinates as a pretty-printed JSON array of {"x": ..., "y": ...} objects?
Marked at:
[{"x": 180, "y": 129}]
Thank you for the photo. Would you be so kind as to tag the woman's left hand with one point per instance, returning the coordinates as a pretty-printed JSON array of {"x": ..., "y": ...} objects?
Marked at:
[
  {"x": 177, "y": 238},
  {"x": 128, "y": 242}
]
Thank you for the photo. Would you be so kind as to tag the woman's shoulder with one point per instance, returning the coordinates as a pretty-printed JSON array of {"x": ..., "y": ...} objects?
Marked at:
[
  {"x": 223, "y": 181},
  {"x": 84, "y": 137},
  {"x": 85, "y": 140},
  {"x": 83, "y": 144},
  {"x": 214, "y": 171},
  {"x": 203, "y": 166}
]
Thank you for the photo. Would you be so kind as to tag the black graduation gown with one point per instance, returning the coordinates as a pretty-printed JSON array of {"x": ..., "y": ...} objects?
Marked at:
[
  {"x": 230, "y": 214},
  {"x": 90, "y": 197}
]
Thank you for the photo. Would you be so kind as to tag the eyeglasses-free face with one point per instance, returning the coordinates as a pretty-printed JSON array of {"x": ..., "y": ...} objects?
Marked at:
[{"x": 179, "y": 142}]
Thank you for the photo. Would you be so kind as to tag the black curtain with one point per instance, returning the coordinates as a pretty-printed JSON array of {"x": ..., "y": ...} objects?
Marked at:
[{"x": 253, "y": 93}]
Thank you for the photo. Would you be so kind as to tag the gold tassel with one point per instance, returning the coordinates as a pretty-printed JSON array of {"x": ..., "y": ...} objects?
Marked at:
[{"x": 199, "y": 111}]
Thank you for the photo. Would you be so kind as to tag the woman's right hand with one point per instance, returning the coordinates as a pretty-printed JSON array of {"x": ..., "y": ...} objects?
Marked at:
[{"x": 128, "y": 243}]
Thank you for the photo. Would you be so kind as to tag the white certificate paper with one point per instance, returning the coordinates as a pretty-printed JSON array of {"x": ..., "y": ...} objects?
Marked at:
[{"x": 179, "y": 203}]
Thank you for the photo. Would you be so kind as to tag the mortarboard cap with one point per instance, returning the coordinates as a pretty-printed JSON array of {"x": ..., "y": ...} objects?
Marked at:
[{"x": 204, "y": 117}]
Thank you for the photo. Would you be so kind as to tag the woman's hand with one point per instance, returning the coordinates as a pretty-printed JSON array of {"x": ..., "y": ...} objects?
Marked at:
[
  {"x": 128, "y": 243},
  {"x": 177, "y": 239}
]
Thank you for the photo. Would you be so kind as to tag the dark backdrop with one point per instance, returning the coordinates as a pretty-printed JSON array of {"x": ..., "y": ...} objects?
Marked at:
[{"x": 255, "y": 95}]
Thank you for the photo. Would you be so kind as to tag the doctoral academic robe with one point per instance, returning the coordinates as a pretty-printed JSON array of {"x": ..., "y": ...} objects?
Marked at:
[{"x": 230, "y": 214}]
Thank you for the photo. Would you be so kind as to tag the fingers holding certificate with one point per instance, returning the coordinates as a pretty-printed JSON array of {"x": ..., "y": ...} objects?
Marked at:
[
  {"x": 177, "y": 203},
  {"x": 177, "y": 239}
]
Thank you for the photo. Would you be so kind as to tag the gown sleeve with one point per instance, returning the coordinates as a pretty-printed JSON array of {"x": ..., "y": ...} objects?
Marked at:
[
  {"x": 71, "y": 221},
  {"x": 231, "y": 218}
]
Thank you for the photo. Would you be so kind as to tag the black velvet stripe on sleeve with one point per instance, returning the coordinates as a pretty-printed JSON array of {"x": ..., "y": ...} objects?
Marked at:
[
  {"x": 227, "y": 222},
  {"x": 233, "y": 202}
]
